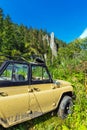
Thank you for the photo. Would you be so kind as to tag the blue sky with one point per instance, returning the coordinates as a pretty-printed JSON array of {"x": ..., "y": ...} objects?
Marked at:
[{"x": 66, "y": 18}]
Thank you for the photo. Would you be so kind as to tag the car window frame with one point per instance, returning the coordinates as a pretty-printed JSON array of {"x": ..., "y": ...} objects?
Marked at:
[
  {"x": 9, "y": 83},
  {"x": 41, "y": 81}
]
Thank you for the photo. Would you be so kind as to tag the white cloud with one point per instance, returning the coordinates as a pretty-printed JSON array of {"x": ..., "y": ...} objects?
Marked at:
[{"x": 84, "y": 34}]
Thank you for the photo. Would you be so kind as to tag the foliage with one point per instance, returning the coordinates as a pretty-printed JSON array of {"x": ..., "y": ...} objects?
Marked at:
[
  {"x": 18, "y": 40},
  {"x": 69, "y": 65}
]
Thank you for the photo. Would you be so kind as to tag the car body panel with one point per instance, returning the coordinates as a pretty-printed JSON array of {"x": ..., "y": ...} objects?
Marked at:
[
  {"x": 44, "y": 96},
  {"x": 14, "y": 101}
]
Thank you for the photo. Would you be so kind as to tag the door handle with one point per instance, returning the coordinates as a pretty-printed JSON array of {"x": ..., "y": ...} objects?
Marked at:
[
  {"x": 3, "y": 94},
  {"x": 33, "y": 89},
  {"x": 30, "y": 90},
  {"x": 36, "y": 89}
]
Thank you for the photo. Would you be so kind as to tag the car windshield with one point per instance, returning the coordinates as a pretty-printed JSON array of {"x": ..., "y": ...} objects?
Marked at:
[
  {"x": 2, "y": 64},
  {"x": 2, "y": 61}
]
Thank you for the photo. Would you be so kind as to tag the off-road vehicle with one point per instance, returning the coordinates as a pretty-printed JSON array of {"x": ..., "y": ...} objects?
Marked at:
[{"x": 27, "y": 90}]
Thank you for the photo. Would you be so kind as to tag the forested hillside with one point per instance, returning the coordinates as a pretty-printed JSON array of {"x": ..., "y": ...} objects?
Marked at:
[
  {"x": 70, "y": 64},
  {"x": 21, "y": 40}
]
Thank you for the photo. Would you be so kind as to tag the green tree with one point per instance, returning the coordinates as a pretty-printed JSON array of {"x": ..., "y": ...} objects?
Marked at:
[
  {"x": 1, "y": 27},
  {"x": 8, "y": 36}
]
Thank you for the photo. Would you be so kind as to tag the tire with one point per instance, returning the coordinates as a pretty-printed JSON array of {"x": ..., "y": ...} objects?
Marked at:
[{"x": 65, "y": 107}]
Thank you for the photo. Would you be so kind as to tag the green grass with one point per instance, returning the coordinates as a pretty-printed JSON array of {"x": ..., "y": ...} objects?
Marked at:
[{"x": 45, "y": 122}]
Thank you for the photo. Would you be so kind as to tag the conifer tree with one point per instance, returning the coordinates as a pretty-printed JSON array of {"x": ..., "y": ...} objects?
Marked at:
[{"x": 1, "y": 27}]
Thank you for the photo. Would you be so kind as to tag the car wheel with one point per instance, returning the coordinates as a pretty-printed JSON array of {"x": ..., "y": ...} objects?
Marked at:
[{"x": 65, "y": 107}]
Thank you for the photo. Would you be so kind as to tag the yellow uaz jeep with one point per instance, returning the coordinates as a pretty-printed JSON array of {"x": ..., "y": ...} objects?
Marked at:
[{"x": 28, "y": 91}]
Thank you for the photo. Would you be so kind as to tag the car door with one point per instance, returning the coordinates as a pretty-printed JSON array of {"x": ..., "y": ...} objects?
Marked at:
[
  {"x": 41, "y": 90},
  {"x": 14, "y": 97}
]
